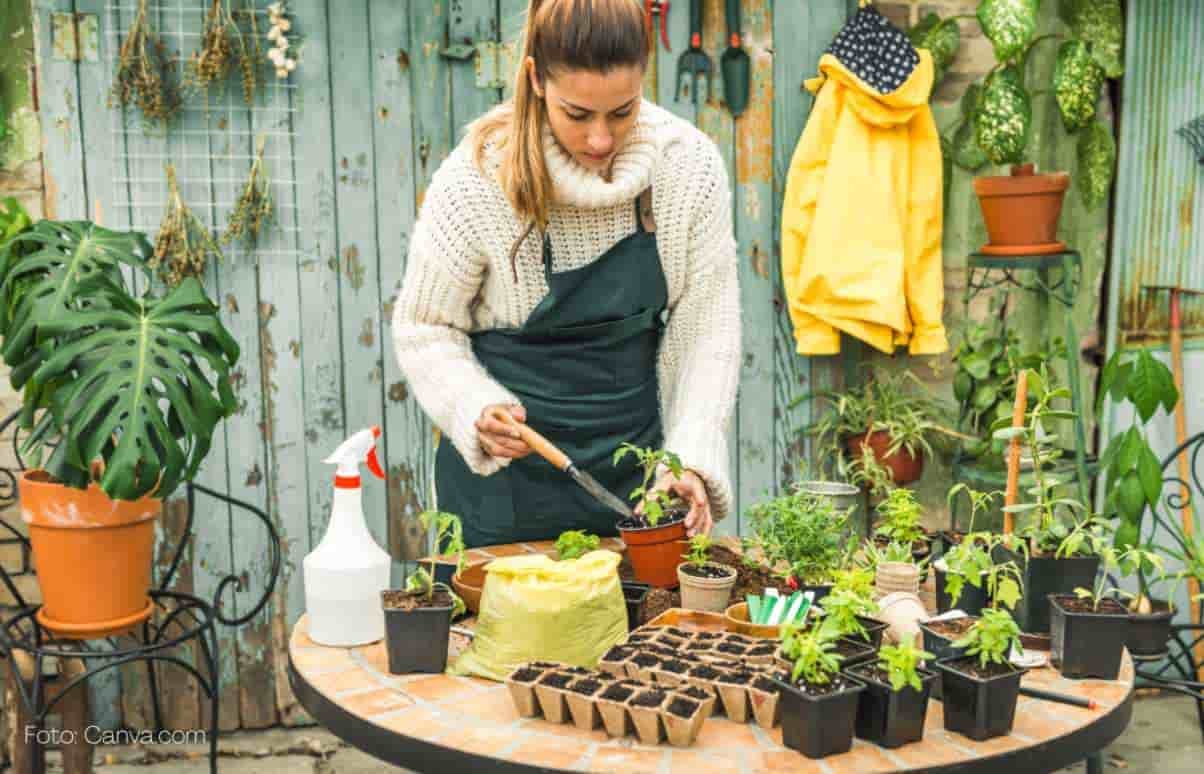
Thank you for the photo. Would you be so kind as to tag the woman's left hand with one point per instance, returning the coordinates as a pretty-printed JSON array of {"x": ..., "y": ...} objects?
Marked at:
[{"x": 690, "y": 488}]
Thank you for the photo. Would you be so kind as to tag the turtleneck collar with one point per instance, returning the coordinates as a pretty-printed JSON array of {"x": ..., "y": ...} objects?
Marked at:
[{"x": 631, "y": 171}]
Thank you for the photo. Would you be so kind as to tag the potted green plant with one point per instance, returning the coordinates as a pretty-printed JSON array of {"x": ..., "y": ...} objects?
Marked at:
[
  {"x": 900, "y": 516},
  {"x": 653, "y": 536},
  {"x": 418, "y": 618},
  {"x": 847, "y": 613},
  {"x": 818, "y": 703},
  {"x": 705, "y": 585},
  {"x": 1021, "y": 209},
  {"x": 121, "y": 394},
  {"x": 895, "y": 567},
  {"x": 892, "y": 708},
  {"x": 878, "y": 434},
  {"x": 980, "y": 688},
  {"x": 974, "y": 574},
  {"x": 575, "y": 543},
  {"x": 980, "y": 502},
  {"x": 1087, "y": 629},
  {"x": 803, "y": 536}
]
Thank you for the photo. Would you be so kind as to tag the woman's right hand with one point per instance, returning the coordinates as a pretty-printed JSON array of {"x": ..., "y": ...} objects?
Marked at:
[{"x": 499, "y": 439}]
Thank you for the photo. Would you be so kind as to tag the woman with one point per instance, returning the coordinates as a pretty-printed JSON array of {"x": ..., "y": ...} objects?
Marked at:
[{"x": 535, "y": 287}]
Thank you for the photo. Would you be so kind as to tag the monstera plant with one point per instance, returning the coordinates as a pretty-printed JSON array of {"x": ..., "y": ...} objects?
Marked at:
[
  {"x": 995, "y": 124},
  {"x": 121, "y": 394}
]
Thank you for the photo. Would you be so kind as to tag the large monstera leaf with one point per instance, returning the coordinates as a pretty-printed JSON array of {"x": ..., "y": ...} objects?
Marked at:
[
  {"x": 1009, "y": 25},
  {"x": 1077, "y": 81},
  {"x": 1101, "y": 23},
  {"x": 1004, "y": 115},
  {"x": 134, "y": 387}
]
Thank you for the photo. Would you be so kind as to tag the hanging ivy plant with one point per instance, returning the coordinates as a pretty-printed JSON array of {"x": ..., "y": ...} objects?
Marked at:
[
  {"x": 1004, "y": 117},
  {"x": 1101, "y": 24},
  {"x": 1009, "y": 25},
  {"x": 1097, "y": 157}
]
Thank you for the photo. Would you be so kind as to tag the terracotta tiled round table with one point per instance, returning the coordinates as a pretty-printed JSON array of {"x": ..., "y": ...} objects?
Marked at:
[{"x": 446, "y": 723}]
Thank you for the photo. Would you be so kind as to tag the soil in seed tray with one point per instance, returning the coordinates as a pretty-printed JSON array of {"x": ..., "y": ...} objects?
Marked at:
[
  {"x": 649, "y": 699},
  {"x": 739, "y": 639},
  {"x": 761, "y": 650},
  {"x": 706, "y": 571},
  {"x": 763, "y": 683},
  {"x": 677, "y": 667},
  {"x": 704, "y": 672},
  {"x": 617, "y": 653},
  {"x": 556, "y": 679},
  {"x": 737, "y": 678},
  {"x": 954, "y": 628},
  {"x": 544, "y": 665},
  {"x": 671, "y": 642},
  {"x": 525, "y": 675},
  {"x": 695, "y": 646},
  {"x": 733, "y": 648},
  {"x": 395, "y": 599},
  {"x": 683, "y": 708},
  {"x": 835, "y": 685},
  {"x": 673, "y": 631},
  {"x": 639, "y": 637},
  {"x": 703, "y": 636},
  {"x": 694, "y": 692},
  {"x": 575, "y": 670},
  {"x": 618, "y": 692},
  {"x": 1106, "y": 607},
  {"x": 585, "y": 686},
  {"x": 645, "y": 660},
  {"x": 970, "y": 665}
]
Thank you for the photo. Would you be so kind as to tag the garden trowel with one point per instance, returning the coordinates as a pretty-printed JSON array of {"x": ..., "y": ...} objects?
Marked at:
[
  {"x": 735, "y": 63},
  {"x": 546, "y": 449}
]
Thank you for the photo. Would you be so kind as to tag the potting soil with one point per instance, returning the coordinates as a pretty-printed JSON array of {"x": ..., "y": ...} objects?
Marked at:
[
  {"x": 649, "y": 699},
  {"x": 683, "y": 708}
]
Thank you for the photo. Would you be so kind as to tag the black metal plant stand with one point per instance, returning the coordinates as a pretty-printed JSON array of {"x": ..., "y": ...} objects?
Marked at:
[{"x": 177, "y": 620}]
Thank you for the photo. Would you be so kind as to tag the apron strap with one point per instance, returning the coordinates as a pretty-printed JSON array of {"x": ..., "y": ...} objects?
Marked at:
[{"x": 643, "y": 212}]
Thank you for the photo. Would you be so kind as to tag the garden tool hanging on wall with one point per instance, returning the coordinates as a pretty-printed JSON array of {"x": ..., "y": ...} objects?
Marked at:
[
  {"x": 735, "y": 63},
  {"x": 659, "y": 10},
  {"x": 694, "y": 63}
]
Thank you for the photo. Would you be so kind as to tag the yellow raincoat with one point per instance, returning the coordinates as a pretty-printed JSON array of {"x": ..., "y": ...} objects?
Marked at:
[{"x": 861, "y": 221}]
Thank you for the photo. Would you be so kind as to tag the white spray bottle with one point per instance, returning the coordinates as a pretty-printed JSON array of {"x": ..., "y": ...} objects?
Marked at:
[{"x": 346, "y": 573}]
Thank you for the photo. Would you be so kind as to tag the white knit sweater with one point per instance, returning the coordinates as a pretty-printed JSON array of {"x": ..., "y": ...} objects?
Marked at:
[{"x": 458, "y": 280}]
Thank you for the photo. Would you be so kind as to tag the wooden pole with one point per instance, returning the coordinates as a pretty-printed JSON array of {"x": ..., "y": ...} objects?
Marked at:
[{"x": 1018, "y": 409}]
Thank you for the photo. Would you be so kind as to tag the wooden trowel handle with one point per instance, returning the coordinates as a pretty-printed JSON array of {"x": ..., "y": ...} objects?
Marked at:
[{"x": 542, "y": 446}]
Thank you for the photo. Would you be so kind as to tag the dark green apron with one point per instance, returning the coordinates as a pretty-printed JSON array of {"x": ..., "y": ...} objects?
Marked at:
[{"x": 584, "y": 367}]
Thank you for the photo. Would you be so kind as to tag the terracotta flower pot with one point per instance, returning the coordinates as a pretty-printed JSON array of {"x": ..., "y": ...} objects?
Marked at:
[
  {"x": 655, "y": 552},
  {"x": 1021, "y": 211},
  {"x": 92, "y": 553},
  {"x": 707, "y": 594},
  {"x": 904, "y": 468}
]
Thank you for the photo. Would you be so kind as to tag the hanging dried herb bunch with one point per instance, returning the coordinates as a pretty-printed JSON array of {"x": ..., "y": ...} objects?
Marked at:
[
  {"x": 253, "y": 211},
  {"x": 144, "y": 76},
  {"x": 249, "y": 54},
  {"x": 212, "y": 63},
  {"x": 184, "y": 244}
]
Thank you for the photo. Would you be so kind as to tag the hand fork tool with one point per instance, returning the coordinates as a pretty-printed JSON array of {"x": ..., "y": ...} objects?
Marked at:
[{"x": 694, "y": 62}]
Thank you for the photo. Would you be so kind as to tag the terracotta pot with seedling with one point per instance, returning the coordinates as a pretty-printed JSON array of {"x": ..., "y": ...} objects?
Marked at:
[
  {"x": 818, "y": 704},
  {"x": 892, "y": 708},
  {"x": 1021, "y": 210},
  {"x": 804, "y": 537},
  {"x": 418, "y": 619},
  {"x": 980, "y": 688},
  {"x": 1088, "y": 629},
  {"x": 121, "y": 395},
  {"x": 653, "y": 537},
  {"x": 705, "y": 585}
]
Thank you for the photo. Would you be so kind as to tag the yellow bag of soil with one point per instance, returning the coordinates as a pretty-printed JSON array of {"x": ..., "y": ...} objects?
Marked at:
[{"x": 534, "y": 608}]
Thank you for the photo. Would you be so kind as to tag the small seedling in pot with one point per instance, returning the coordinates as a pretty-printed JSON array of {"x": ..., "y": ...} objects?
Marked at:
[
  {"x": 575, "y": 543},
  {"x": 980, "y": 502},
  {"x": 900, "y": 523},
  {"x": 700, "y": 551},
  {"x": 992, "y": 638},
  {"x": 813, "y": 655},
  {"x": 841, "y": 611},
  {"x": 1111, "y": 559},
  {"x": 654, "y": 502},
  {"x": 972, "y": 561},
  {"x": 855, "y": 580},
  {"x": 449, "y": 538},
  {"x": 896, "y": 553},
  {"x": 901, "y": 662}
]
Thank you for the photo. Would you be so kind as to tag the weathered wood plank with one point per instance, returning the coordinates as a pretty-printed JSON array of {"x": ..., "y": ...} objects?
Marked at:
[
  {"x": 512, "y": 18},
  {"x": 407, "y": 434},
  {"x": 666, "y": 65},
  {"x": 469, "y": 22},
  {"x": 356, "y": 223},
  {"x": 753, "y": 186}
]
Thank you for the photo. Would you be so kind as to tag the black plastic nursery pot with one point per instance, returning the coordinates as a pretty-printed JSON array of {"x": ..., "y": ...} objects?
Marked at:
[
  {"x": 979, "y": 708},
  {"x": 1087, "y": 644},
  {"x": 1149, "y": 633},
  {"x": 1045, "y": 575},
  {"x": 819, "y": 726},
  {"x": 940, "y": 646},
  {"x": 891, "y": 718},
  {"x": 416, "y": 640},
  {"x": 873, "y": 632},
  {"x": 972, "y": 600},
  {"x": 633, "y": 595},
  {"x": 820, "y": 590}
]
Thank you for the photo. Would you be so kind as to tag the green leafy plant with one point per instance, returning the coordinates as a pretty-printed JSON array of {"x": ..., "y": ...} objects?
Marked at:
[
  {"x": 654, "y": 501},
  {"x": 972, "y": 561},
  {"x": 901, "y": 663},
  {"x": 900, "y": 513},
  {"x": 801, "y": 532},
  {"x": 996, "y": 120},
  {"x": 812, "y": 654},
  {"x": 700, "y": 550},
  {"x": 13, "y": 219},
  {"x": 992, "y": 637},
  {"x": 1127, "y": 562},
  {"x": 980, "y": 502},
  {"x": 897, "y": 404},
  {"x": 873, "y": 555},
  {"x": 138, "y": 382},
  {"x": 575, "y": 543},
  {"x": 449, "y": 539},
  {"x": 841, "y": 610},
  {"x": 854, "y": 580}
]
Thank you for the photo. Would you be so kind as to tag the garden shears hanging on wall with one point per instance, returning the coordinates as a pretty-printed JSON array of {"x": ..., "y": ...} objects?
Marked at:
[{"x": 660, "y": 10}]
